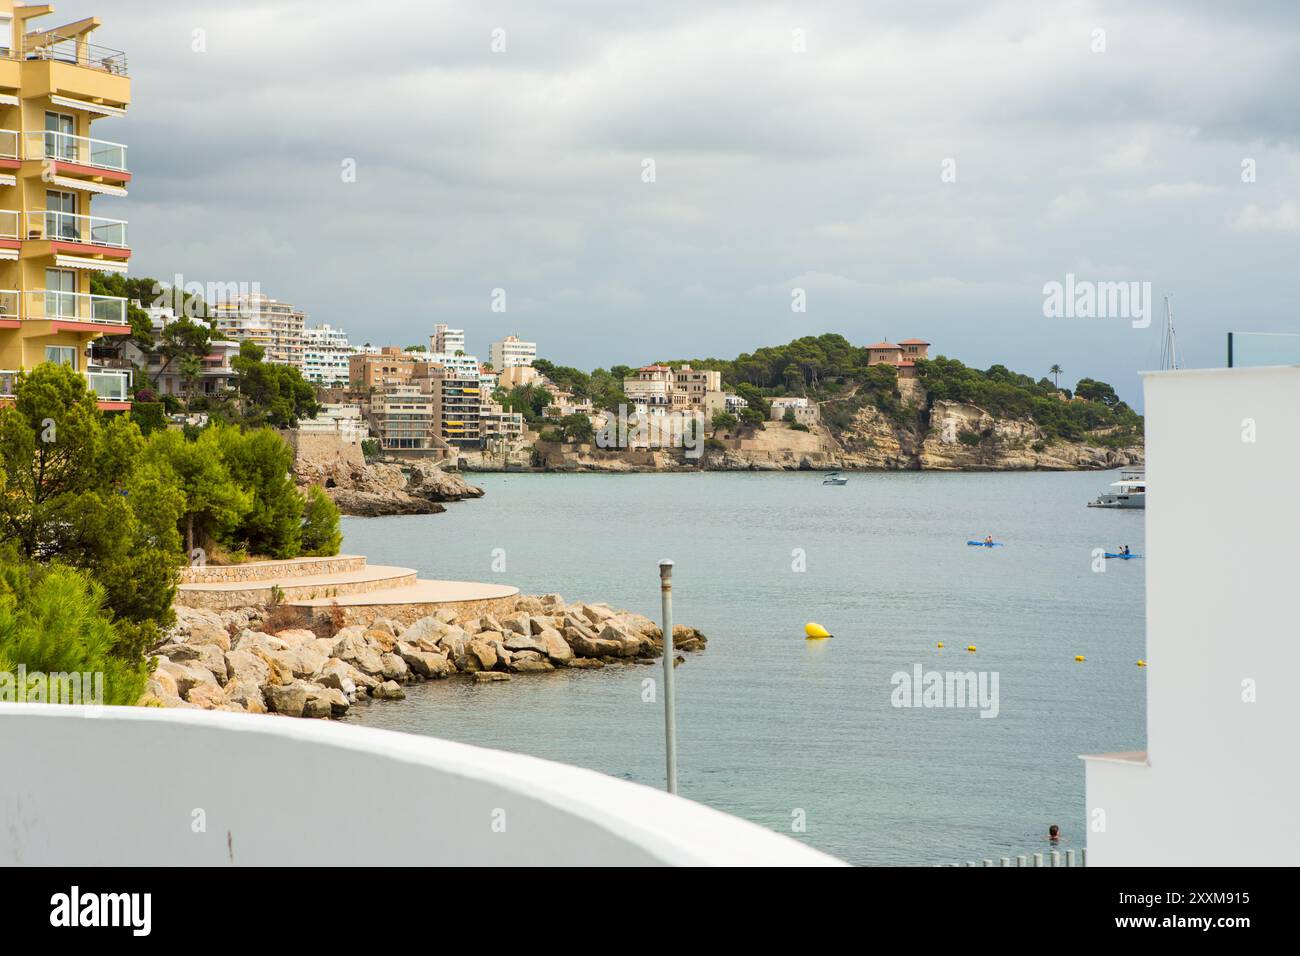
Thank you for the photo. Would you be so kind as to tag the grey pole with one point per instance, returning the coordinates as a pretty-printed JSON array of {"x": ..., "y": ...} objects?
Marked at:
[{"x": 670, "y": 705}]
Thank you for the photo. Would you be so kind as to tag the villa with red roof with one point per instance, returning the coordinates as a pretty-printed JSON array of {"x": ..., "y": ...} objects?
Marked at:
[{"x": 902, "y": 355}]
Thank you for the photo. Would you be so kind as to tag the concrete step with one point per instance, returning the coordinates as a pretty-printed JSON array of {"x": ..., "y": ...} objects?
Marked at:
[
  {"x": 326, "y": 587},
  {"x": 410, "y": 602},
  {"x": 271, "y": 570}
]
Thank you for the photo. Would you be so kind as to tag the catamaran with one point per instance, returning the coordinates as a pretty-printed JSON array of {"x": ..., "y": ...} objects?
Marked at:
[{"x": 1130, "y": 492}]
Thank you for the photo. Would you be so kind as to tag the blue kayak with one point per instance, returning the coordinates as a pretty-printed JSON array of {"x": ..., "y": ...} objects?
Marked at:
[
  {"x": 1122, "y": 557},
  {"x": 984, "y": 544}
]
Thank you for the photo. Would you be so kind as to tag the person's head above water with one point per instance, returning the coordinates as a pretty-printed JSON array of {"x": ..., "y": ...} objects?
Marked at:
[{"x": 1053, "y": 831}]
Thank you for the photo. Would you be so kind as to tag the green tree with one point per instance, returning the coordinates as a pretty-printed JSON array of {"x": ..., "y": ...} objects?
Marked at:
[
  {"x": 321, "y": 536},
  {"x": 261, "y": 463},
  {"x": 77, "y": 489},
  {"x": 724, "y": 422},
  {"x": 275, "y": 395},
  {"x": 214, "y": 503},
  {"x": 54, "y": 619},
  {"x": 1056, "y": 372}
]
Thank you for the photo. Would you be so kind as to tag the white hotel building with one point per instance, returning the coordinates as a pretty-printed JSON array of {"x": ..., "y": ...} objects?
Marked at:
[
  {"x": 325, "y": 353},
  {"x": 511, "y": 352}
]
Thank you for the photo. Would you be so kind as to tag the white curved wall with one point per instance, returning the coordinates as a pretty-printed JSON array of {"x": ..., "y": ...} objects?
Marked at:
[{"x": 122, "y": 788}]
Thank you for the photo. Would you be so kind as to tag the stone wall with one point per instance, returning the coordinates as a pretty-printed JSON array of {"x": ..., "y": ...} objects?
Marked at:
[
  {"x": 344, "y": 616},
  {"x": 323, "y": 451},
  {"x": 264, "y": 570}
]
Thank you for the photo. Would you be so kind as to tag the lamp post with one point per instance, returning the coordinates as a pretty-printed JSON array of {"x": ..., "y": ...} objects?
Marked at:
[{"x": 670, "y": 713}]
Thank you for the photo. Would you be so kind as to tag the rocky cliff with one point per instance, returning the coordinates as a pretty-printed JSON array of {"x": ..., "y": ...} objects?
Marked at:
[{"x": 386, "y": 488}]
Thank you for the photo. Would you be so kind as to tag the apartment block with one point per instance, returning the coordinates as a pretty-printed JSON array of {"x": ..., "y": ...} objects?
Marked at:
[
  {"x": 54, "y": 86},
  {"x": 388, "y": 367},
  {"x": 165, "y": 376},
  {"x": 326, "y": 355},
  {"x": 511, "y": 352},
  {"x": 658, "y": 388},
  {"x": 254, "y": 317}
]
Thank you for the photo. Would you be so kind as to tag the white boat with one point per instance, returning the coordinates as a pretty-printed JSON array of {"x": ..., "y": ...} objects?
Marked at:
[
  {"x": 1130, "y": 492},
  {"x": 834, "y": 479}
]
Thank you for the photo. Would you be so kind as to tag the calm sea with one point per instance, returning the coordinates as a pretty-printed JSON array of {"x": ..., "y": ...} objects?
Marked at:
[{"x": 778, "y": 729}]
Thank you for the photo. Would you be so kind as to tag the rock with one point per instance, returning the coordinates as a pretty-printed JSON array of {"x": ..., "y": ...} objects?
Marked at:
[
  {"x": 552, "y": 602},
  {"x": 187, "y": 676},
  {"x": 483, "y": 677},
  {"x": 386, "y": 624},
  {"x": 207, "y": 696},
  {"x": 381, "y": 640},
  {"x": 325, "y": 702},
  {"x": 503, "y": 655},
  {"x": 246, "y": 666},
  {"x": 423, "y": 663},
  {"x": 556, "y": 647},
  {"x": 247, "y": 693},
  {"x": 162, "y": 684},
  {"x": 630, "y": 645},
  {"x": 584, "y": 644},
  {"x": 428, "y": 480},
  {"x": 288, "y": 699},
  {"x": 393, "y": 667},
  {"x": 426, "y": 629},
  {"x": 374, "y": 504},
  {"x": 209, "y": 656},
  {"x": 525, "y": 666},
  {"x": 453, "y": 642},
  {"x": 585, "y": 663},
  {"x": 519, "y": 623},
  {"x": 596, "y": 613},
  {"x": 529, "y": 605},
  {"x": 354, "y": 649},
  {"x": 521, "y": 642},
  {"x": 488, "y": 623},
  {"x": 207, "y": 633},
  {"x": 446, "y": 615},
  {"x": 480, "y": 655},
  {"x": 296, "y": 636},
  {"x": 336, "y": 674},
  {"x": 389, "y": 690}
]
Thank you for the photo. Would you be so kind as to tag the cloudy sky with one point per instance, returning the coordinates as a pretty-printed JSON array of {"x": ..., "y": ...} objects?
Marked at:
[{"x": 775, "y": 169}]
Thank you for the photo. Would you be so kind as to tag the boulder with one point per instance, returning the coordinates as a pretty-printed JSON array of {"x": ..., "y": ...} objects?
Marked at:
[
  {"x": 247, "y": 666},
  {"x": 529, "y": 605},
  {"x": 354, "y": 649},
  {"x": 489, "y": 623},
  {"x": 519, "y": 623},
  {"x": 187, "y": 676},
  {"x": 556, "y": 647},
  {"x": 427, "y": 479},
  {"x": 393, "y": 667},
  {"x": 381, "y": 640},
  {"x": 389, "y": 690},
  {"x": 481, "y": 655},
  {"x": 528, "y": 665},
  {"x": 204, "y": 632},
  {"x": 162, "y": 684},
  {"x": 630, "y": 645},
  {"x": 585, "y": 644},
  {"x": 521, "y": 642},
  {"x": 484, "y": 677},
  {"x": 423, "y": 663},
  {"x": 387, "y": 625},
  {"x": 336, "y": 674},
  {"x": 596, "y": 613},
  {"x": 205, "y": 655},
  {"x": 296, "y": 636},
  {"x": 446, "y": 615},
  {"x": 324, "y": 702},
  {"x": 246, "y": 693},
  {"x": 288, "y": 699},
  {"x": 453, "y": 642},
  {"x": 207, "y": 696},
  {"x": 427, "y": 629}
]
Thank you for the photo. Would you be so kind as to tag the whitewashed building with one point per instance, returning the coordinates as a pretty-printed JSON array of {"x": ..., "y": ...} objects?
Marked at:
[
  {"x": 511, "y": 351},
  {"x": 325, "y": 354}
]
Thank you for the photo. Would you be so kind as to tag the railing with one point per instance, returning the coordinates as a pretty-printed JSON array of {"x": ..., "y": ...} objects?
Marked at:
[
  {"x": 71, "y": 227},
  {"x": 60, "y": 49},
  {"x": 8, "y": 144},
  {"x": 9, "y": 224},
  {"x": 75, "y": 307},
  {"x": 1055, "y": 858},
  {"x": 1263, "y": 348},
  {"x": 8, "y": 382},
  {"x": 9, "y": 299},
  {"x": 109, "y": 386},
  {"x": 70, "y": 148}
]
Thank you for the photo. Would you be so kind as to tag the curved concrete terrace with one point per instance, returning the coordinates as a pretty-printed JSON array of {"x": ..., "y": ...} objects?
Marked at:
[{"x": 123, "y": 785}]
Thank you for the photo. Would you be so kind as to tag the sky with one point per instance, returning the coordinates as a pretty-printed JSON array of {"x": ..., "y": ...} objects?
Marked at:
[{"x": 659, "y": 180}]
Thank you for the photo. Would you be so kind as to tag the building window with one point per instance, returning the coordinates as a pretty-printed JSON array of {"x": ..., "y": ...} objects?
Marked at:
[{"x": 61, "y": 355}]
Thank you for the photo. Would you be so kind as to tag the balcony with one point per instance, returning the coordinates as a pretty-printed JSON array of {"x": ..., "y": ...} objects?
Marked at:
[
  {"x": 8, "y": 382},
  {"x": 74, "y": 307},
  {"x": 109, "y": 385},
  {"x": 9, "y": 299},
  {"x": 74, "y": 50},
  {"x": 70, "y": 227},
  {"x": 68, "y": 148},
  {"x": 9, "y": 144}
]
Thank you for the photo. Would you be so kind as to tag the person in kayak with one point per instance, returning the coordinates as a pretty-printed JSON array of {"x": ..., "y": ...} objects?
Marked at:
[
  {"x": 1125, "y": 551},
  {"x": 988, "y": 539}
]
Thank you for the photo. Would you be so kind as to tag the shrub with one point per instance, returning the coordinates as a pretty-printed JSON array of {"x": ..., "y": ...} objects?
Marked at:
[{"x": 321, "y": 536}]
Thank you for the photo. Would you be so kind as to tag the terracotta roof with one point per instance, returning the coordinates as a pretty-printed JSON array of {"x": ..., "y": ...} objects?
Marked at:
[
  {"x": 915, "y": 342},
  {"x": 654, "y": 368},
  {"x": 907, "y": 365},
  {"x": 885, "y": 345}
]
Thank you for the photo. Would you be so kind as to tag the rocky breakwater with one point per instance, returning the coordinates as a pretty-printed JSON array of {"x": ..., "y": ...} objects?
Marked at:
[
  {"x": 236, "y": 661},
  {"x": 386, "y": 488}
]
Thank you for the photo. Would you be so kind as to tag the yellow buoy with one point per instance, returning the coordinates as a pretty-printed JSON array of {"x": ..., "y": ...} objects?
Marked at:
[
  {"x": 816, "y": 632},
  {"x": 971, "y": 648},
  {"x": 1142, "y": 663},
  {"x": 1079, "y": 658},
  {"x": 940, "y": 644}
]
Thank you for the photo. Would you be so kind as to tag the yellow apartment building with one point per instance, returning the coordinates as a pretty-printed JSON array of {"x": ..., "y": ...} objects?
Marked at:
[{"x": 54, "y": 84}]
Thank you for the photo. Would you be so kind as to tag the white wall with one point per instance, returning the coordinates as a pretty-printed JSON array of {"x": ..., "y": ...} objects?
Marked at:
[
  {"x": 121, "y": 788},
  {"x": 1223, "y": 593}
]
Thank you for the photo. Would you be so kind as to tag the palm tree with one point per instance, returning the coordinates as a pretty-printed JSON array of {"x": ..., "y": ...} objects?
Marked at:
[{"x": 1055, "y": 371}]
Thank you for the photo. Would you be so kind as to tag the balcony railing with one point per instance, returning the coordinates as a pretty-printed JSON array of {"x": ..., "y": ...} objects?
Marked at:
[
  {"x": 109, "y": 385},
  {"x": 8, "y": 382},
  {"x": 68, "y": 148},
  {"x": 8, "y": 144},
  {"x": 70, "y": 227},
  {"x": 60, "y": 49},
  {"x": 9, "y": 219},
  {"x": 75, "y": 307},
  {"x": 9, "y": 300}
]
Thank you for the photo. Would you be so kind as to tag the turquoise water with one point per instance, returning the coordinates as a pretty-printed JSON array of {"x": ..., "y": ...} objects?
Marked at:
[{"x": 772, "y": 727}]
